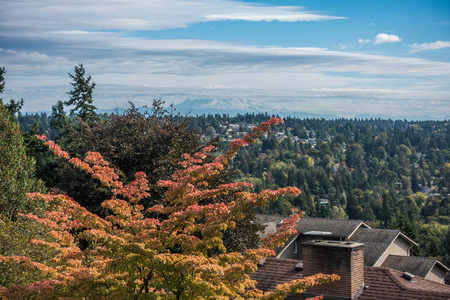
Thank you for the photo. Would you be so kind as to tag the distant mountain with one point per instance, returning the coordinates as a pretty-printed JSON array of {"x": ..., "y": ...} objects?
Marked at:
[
  {"x": 232, "y": 107},
  {"x": 219, "y": 106}
]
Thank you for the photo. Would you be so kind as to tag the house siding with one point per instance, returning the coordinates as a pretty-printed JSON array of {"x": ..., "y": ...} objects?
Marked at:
[
  {"x": 398, "y": 247},
  {"x": 436, "y": 274}
]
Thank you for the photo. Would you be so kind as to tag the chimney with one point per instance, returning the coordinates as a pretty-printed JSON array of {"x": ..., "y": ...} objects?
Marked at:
[{"x": 334, "y": 257}]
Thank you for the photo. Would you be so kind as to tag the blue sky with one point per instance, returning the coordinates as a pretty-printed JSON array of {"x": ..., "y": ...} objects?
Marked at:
[{"x": 344, "y": 57}]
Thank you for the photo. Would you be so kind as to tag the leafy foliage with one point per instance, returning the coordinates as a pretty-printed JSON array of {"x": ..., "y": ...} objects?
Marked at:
[
  {"x": 16, "y": 169},
  {"x": 132, "y": 141},
  {"x": 131, "y": 254}
]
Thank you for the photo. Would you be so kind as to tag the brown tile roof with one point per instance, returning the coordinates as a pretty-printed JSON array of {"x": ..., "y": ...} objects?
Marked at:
[
  {"x": 419, "y": 266},
  {"x": 276, "y": 271},
  {"x": 383, "y": 283}
]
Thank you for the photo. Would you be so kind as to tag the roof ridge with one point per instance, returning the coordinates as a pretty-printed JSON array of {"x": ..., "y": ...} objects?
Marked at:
[
  {"x": 381, "y": 229},
  {"x": 343, "y": 220},
  {"x": 414, "y": 257},
  {"x": 370, "y": 242}
]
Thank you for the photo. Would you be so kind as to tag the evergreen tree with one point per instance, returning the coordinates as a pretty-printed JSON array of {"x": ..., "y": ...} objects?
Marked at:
[
  {"x": 13, "y": 107},
  {"x": 81, "y": 96},
  {"x": 2, "y": 80},
  {"x": 16, "y": 169}
]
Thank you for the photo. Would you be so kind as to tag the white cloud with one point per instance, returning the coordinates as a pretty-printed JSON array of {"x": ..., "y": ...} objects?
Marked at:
[
  {"x": 381, "y": 38},
  {"x": 429, "y": 46},
  {"x": 386, "y": 38},
  {"x": 29, "y": 17},
  {"x": 112, "y": 53},
  {"x": 361, "y": 41}
]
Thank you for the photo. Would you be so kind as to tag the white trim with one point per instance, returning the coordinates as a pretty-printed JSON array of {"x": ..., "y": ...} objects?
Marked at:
[
  {"x": 359, "y": 226},
  {"x": 287, "y": 245}
]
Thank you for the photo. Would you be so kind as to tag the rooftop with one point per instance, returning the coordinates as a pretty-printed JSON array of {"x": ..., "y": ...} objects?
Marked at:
[
  {"x": 382, "y": 282},
  {"x": 339, "y": 228},
  {"x": 416, "y": 265},
  {"x": 376, "y": 242}
]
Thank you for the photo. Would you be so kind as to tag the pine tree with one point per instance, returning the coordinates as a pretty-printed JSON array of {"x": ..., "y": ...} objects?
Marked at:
[{"x": 81, "y": 96}]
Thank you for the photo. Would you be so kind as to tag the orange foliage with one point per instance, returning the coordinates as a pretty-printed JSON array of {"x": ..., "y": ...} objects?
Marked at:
[{"x": 173, "y": 250}]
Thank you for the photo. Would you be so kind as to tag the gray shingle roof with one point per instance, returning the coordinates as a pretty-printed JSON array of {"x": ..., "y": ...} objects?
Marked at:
[
  {"x": 419, "y": 266},
  {"x": 338, "y": 228},
  {"x": 376, "y": 242},
  {"x": 374, "y": 235}
]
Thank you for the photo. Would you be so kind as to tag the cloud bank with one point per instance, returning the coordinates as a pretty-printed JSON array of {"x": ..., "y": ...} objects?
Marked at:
[
  {"x": 429, "y": 46},
  {"x": 22, "y": 18},
  {"x": 41, "y": 41}
]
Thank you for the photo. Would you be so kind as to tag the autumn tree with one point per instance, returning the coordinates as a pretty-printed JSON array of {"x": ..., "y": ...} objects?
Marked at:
[{"x": 130, "y": 254}]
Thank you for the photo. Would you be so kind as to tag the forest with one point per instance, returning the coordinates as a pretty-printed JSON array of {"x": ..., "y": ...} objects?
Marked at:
[
  {"x": 216, "y": 172},
  {"x": 392, "y": 174}
]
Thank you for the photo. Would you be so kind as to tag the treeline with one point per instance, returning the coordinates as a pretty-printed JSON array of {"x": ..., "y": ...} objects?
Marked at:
[{"x": 391, "y": 174}]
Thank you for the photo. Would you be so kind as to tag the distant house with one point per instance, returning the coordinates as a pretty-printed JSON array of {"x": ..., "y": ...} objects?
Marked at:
[
  {"x": 380, "y": 243},
  {"x": 357, "y": 281},
  {"x": 426, "y": 267},
  {"x": 382, "y": 247}
]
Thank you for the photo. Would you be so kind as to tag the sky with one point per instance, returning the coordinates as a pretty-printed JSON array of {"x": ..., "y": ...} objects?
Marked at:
[{"x": 342, "y": 57}]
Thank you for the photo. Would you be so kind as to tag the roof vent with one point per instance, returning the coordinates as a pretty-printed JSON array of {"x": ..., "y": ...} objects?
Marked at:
[
  {"x": 408, "y": 276},
  {"x": 299, "y": 267}
]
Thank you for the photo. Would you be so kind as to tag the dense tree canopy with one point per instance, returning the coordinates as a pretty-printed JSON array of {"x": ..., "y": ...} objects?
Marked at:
[{"x": 132, "y": 254}]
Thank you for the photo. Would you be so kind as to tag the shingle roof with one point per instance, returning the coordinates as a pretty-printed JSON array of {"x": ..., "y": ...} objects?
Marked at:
[
  {"x": 338, "y": 228},
  {"x": 373, "y": 252},
  {"x": 419, "y": 266},
  {"x": 383, "y": 283},
  {"x": 275, "y": 271},
  {"x": 375, "y": 235},
  {"x": 376, "y": 242},
  {"x": 266, "y": 218}
]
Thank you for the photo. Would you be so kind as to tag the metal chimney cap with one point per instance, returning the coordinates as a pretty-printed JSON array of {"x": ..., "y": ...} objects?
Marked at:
[{"x": 317, "y": 233}]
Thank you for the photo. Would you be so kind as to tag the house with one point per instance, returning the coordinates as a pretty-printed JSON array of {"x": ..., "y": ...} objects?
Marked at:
[
  {"x": 426, "y": 267},
  {"x": 318, "y": 228},
  {"x": 357, "y": 281},
  {"x": 382, "y": 247},
  {"x": 380, "y": 243}
]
